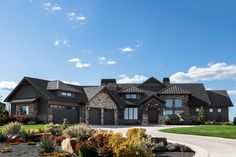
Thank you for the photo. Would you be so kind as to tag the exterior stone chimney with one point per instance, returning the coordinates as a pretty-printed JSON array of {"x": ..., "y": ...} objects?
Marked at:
[
  {"x": 166, "y": 81},
  {"x": 109, "y": 83}
]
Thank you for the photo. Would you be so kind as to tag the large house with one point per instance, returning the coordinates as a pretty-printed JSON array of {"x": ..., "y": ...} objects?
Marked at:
[{"x": 112, "y": 103}]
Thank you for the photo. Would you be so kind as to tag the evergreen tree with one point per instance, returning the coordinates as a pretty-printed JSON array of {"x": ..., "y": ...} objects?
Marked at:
[{"x": 201, "y": 115}]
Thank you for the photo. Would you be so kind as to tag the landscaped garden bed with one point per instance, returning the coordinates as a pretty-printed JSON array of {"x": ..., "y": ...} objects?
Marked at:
[{"x": 83, "y": 141}]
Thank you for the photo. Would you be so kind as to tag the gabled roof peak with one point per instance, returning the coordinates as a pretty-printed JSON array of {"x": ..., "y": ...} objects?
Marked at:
[
  {"x": 174, "y": 89},
  {"x": 152, "y": 81}
]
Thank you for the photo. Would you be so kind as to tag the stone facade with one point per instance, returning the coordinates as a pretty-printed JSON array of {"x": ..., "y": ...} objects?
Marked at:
[
  {"x": 33, "y": 109},
  {"x": 185, "y": 99},
  {"x": 102, "y": 101}
]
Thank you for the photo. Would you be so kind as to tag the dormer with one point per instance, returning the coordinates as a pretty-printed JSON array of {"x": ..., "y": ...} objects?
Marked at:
[
  {"x": 131, "y": 93},
  {"x": 62, "y": 89}
]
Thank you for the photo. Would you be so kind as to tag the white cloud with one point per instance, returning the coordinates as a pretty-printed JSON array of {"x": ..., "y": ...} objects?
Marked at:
[
  {"x": 56, "y": 42},
  {"x": 231, "y": 92},
  {"x": 127, "y": 49},
  {"x": 217, "y": 71},
  {"x": 62, "y": 42},
  {"x": 138, "y": 44},
  {"x": 56, "y": 8},
  {"x": 74, "y": 17},
  {"x": 7, "y": 85},
  {"x": 103, "y": 60},
  {"x": 47, "y": 5},
  {"x": 78, "y": 63},
  {"x": 72, "y": 83},
  {"x": 134, "y": 79},
  {"x": 50, "y": 6}
]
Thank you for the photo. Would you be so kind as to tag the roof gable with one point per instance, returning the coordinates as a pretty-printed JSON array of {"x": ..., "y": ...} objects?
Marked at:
[
  {"x": 152, "y": 81},
  {"x": 219, "y": 98},
  {"x": 91, "y": 92},
  {"x": 58, "y": 85},
  {"x": 174, "y": 89}
]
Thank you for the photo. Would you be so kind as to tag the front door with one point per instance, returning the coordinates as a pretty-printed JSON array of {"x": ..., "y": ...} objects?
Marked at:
[{"x": 153, "y": 114}]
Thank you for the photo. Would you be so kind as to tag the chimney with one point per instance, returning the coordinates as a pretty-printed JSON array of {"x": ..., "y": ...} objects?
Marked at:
[
  {"x": 166, "y": 81},
  {"x": 109, "y": 83}
]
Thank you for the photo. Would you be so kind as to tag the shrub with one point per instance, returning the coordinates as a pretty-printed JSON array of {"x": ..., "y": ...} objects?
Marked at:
[
  {"x": 12, "y": 128},
  {"x": 82, "y": 132},
  {"x": 102, "y": 139},
  {"x": 22, "y": 118},
  {"x": 4, "y": 115},
  {"x": 136, "y": 132},
  {"x": 3, "y": 137},
  {"x": 64, "y": 124},
  {"x": 15, "y": 140},
  {"x": 58, "y": 140},
  {"x": 54, "y": 129},
  {"x": 201, "y": 115},
  {"x": 86, "y": 149},
  {"x": 47, "y": 144},
  {"x": 28, "y": 135}
]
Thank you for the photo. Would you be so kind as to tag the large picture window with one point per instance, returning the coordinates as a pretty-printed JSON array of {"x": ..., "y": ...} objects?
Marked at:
[
  {"x": 169, "y": 103},
  {"x": 131, "y": 113},
  {"x": 24, "y": 110},
  {"x": 178, "y": 103}
]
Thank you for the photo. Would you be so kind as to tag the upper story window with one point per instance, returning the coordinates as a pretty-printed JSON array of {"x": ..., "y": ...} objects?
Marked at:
[
  {"x": 219, "y": 109},
  {"x": 130, "y": 96},
  {"x": 66, "y": 94},
  {"x": 211, "y": 110},
  {"x": 24, "y": 110},
  {"x": 197, "y": 110},
  {"x": 169, "y": 103},
  {"x": 178, "y": 103}
]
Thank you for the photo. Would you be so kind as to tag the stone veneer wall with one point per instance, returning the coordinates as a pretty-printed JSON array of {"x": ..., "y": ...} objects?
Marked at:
[
  {"x": 103, "y": 101},
  {"x": 33, "y": 109},
  {"x": 185, "y": 99}
]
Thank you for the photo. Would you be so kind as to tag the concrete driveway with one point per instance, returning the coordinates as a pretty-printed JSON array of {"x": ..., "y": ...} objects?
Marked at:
[{"x": 204, "y": 146}]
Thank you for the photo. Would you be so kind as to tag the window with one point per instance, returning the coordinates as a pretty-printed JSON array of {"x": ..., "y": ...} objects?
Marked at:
[
  {"x": 179, "y": 111},
  {"x": 211, "y": 110},
  {"x": 197, "y": 109},
  {"x": 24, "y": 110},
  {"x": 66, "y": 94},
  {"x": 168, "y": 112},
  {"x": 130, "y": 96},
  {"x": 131, "y": 113},
  {"x": 219, "y": 109},
  {"x": 169, "y": 103},
  {"x": 178, "y": 103}
]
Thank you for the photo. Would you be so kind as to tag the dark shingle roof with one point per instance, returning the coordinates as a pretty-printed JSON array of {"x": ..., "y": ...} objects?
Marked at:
[
  {"x": 174, "y": 89},
  {"x": 219, "y": 98},
  {"x": 41, "y": 86},
  {"x": 198, "y": 93},
  {"x": 131, "y": 89},
  {"x": 58, "y": 85},
  {"x": 91, "y": 92}
]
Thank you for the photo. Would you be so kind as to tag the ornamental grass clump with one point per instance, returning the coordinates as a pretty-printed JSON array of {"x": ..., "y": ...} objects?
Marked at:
[
  {"x": 28, "y": 135},
  {"x": 47, "y": 144},
  {"x": 12, "y": 128},
  {"x": 82, "y": 132},
  {"x": 54, "y": 129}
]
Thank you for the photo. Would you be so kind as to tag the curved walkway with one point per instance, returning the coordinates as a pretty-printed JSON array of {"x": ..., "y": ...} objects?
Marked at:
[{"x": 204, "y": 146}]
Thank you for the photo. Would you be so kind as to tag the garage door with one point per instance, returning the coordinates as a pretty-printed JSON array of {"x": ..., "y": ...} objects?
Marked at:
[
  {"x": 70, "y": 113},
  {"x": 108, "y": 117},
  {"x": 94, "y": 116}
]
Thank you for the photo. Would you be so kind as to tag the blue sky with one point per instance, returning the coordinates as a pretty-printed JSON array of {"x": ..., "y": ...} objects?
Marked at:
[{"x": 83, "y": 41}]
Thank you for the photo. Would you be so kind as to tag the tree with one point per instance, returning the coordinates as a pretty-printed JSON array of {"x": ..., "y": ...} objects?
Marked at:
[{"x": 201, "y": 115}]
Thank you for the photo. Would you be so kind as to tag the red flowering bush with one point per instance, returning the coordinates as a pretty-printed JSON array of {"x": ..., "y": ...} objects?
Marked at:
[
  {"x": 102, "y": 140},
  {"x": 15, "y": 140},
  {"x": 21, "y": 118},
  {"x": 58, "y": 140},
  {"x": 87, "y": 148}
]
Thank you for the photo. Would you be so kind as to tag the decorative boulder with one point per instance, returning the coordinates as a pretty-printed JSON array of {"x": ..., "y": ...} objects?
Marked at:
[
  {"x": 66, "y": 146},
  {"x": 159, "y": 140}
]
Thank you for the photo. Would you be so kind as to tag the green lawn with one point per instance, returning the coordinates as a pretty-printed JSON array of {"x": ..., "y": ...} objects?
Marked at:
[
  {"x": 37, "y": 126},
  {"x": 224, "y": 131}
]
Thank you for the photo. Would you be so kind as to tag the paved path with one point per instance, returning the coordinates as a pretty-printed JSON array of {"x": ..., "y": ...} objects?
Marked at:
[{"x": 204, "y": 146}]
